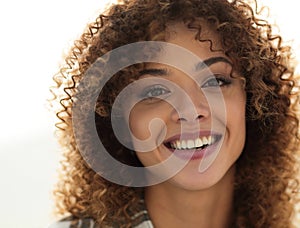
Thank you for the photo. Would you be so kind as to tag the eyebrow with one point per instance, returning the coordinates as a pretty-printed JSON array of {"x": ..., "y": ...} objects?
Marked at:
[
  {"x": 199, "y": 66},
  {"x": 154, "y": 72},
  {"x": 211, "y": 61}
]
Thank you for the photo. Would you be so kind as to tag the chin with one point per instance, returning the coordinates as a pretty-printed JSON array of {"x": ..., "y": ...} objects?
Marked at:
[{"x": 196, "y": 181}]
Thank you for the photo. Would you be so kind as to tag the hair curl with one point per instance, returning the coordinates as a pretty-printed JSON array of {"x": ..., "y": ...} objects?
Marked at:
[{"x": 266, "y": 177}]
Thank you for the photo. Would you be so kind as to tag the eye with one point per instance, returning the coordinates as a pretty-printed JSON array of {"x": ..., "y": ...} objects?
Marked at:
[
  {"x": 155, "y": 91},
  {"x": 216, "y": 81}
]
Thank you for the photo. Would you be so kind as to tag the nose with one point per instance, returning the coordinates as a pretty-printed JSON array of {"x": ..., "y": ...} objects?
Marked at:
[{"x": 190, "y": 105}]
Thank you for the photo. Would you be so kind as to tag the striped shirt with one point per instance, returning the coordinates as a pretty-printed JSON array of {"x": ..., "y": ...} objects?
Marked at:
[{"x": 140, "y": 220}]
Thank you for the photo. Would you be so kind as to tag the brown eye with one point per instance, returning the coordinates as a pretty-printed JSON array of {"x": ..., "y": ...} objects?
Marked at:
[
  {"x": 216, "y": 82},
  {"x": 155, "y": 91}
]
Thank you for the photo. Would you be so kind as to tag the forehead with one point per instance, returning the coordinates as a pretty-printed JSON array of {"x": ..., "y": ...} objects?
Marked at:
[
  {"x": 186, "y": 51},
  {"x": 180, "y": 34}
]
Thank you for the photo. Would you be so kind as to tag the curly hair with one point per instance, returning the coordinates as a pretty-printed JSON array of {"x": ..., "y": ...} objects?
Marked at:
[{"x": 266, "y": 182}]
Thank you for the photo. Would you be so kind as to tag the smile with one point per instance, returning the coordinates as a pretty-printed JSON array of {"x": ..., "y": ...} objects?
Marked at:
[
  {"x": 193, "y": 143},
  {"x": 187, "y": 143}
]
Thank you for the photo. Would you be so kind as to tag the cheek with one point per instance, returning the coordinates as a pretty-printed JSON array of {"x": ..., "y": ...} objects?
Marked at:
[
  {"x": 236, "y": 106},
  {"x": 139, "y": 124},
  {"x": 146, "y": 135},
  {"x": 236, "y": 113},
  {"x": 236, "y": 118},
  {"x": 240, "y": 107},
  {"x": 146, "y": 122},
  {"x": 148, "y": 127}
]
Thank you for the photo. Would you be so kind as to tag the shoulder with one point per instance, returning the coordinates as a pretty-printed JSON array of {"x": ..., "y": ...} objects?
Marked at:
[
  {"x": 142, "y": 220},
  {"x": 71, "y": 222},
  {"x": 139, "y": 220}
]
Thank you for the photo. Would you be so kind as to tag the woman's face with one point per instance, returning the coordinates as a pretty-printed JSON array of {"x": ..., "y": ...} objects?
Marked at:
[{"x": 179, "y": 113}]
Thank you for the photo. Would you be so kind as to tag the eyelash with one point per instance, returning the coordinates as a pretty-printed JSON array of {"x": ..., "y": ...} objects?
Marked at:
[
  {"x": 219, "y": 79},
  {"x": 148, "y": 93}
]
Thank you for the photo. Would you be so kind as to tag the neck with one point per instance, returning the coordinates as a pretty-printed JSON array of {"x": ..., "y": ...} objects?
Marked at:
[{"x": 171, "y": 206}]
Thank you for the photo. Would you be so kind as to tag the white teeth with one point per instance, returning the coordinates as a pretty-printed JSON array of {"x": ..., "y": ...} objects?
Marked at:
[
  {"x": 192, "y": 144},
  {"x": 183, "y": 144},
  {"x": 204, "y": 140},
  {"x": 198, "y": 142},
  {"x": 209, "y": 140},
  {"x": 178, "y": 145},
  {"x": 173, "y": 145}
]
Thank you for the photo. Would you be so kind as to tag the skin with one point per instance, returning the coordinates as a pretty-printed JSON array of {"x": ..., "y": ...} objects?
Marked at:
[{"x": 192, "y": 198}]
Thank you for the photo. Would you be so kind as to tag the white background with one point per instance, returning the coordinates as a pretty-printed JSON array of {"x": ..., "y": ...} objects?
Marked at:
[{"x": 34, "y": 35}]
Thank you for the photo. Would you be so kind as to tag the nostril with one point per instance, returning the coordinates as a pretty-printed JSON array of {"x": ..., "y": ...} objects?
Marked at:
[
  {"x": 181, "y": 119},
  {"x": 186, "y": 113},
  {"x": 199, "y": 117},
  {"x": 187, "y": 119}
]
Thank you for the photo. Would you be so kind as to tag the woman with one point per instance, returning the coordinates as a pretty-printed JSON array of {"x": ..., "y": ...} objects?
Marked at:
[{"x": 218, "y": 93}]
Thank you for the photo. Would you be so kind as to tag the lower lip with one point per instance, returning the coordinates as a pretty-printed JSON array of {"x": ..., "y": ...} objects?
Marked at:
[{"x": 194, "y": 154}]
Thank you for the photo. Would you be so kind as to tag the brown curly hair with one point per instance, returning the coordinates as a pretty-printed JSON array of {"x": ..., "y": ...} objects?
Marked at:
[{"x": 266, "y": 183}]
